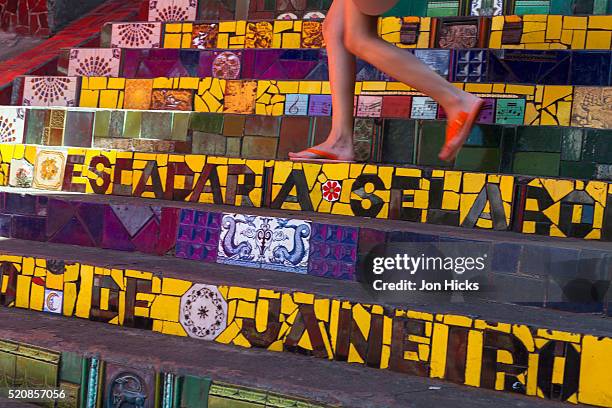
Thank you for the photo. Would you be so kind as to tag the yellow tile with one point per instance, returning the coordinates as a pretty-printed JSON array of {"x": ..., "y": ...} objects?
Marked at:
[
  {"x": 173, "y": 27},
  {"x": 116, "y": 83},
  {"x": 600, "y": 22},
  {"x": 109, "y": 99},
  {"x": 227, "y": 26},
  {"x": 553, "y": 29},
  {"x": 310, "y": 87},
  {"x": 98, "y": 82},
  {"x": 578, "y": 40},
  {"x": 166, "y": 308},
  {"x": 189, "y": 83},
  {"x": 89, "y": 99},
  {"x": 595, "y": 374},
  {"x": 535, "y": 37},
  {"x": 598, "y": 40},
  {"x": 575, "y": 23}
]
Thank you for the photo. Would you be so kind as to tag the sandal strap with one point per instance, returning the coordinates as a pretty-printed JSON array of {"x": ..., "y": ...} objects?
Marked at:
[{"x": 321, "y": 153}]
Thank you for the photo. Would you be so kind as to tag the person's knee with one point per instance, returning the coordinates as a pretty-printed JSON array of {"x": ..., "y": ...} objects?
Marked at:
[
  {"x": 332, "y": 32},
  {"x": 355, "y": 42}
]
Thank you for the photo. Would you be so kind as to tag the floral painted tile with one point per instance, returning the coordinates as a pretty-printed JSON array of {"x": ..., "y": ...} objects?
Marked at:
[
  {"x": 21, "y": 173},
  {"x": 50, "y": 91},
  {"x": 203, "y": 312},
  {"x": 172, "y": 10},
  {"x": 136, "y": 35},
  {"x": 12, "y": 124},
  {"x": 49, "y": 169},
  {"x": 94, "y": 62}
]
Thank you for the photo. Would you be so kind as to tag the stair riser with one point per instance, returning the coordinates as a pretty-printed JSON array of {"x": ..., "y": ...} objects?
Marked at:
[
  {"x": 257, "y": 10},
  {"x": 553, "y": 67},
  {"x": 528, "y": 32},
  {"x": 573, "y": 106},
  {"x": 555, "y": 278},
  {"x": 455, "y": 348},
  {"x": 555, "y": 151},
  {"x": 551, "y": 207}
]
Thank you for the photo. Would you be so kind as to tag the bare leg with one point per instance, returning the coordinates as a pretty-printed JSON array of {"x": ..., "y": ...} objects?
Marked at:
[
  {"x": 342, "y": 82},
  {"x": 362, "y": 40}
]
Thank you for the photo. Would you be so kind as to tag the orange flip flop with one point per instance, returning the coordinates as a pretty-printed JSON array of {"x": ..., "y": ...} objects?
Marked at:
[
  {"x": 324, "y": 157},
  {"x": 458, "y": 130}
]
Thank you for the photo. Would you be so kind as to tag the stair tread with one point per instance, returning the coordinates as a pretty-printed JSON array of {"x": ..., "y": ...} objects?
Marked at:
[
  {"x": 230, "y": 275},
  {"x": 317, "y": 380}
]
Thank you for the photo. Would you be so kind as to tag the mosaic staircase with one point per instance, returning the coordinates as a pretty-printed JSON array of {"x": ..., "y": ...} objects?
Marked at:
[{"x": 160, "y": 158}]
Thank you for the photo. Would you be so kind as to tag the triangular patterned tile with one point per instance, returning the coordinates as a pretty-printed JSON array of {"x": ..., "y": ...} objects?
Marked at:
[{"x": 133, "y": 217}]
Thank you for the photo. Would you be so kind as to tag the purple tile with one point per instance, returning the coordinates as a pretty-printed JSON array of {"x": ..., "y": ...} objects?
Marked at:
[
  {"x": 115, "y": 236},
  {"x": 333, "y": 251},
  {"x": 5, "y": 225},
  {"x": 320, "y": 105},
  {"x": 29, "y": 228},
  {"x": 198, "y": 235},
  {"x": 73, "y": 233},
  {"x": 20, "y": 204},
  {"x": 147, "y": 238}
]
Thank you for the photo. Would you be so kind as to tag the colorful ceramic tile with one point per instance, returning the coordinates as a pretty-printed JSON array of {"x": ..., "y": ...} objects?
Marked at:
[
  {"x": 21, "y": 173},
  {"x": 227, "y": 65},
  {"x": 288, "y": 249},
  {"x": 510, "y": 111},
  {"x": 172, "y": 10},
  {"x": 296, "y": 105},
  {"x": 136, "y": 35},
  {"x": 240, "y": 97},
  {"x": 94, "y": 62},
  {"x": 172, "y": 99},
  {"x": 239, "y": 242},
  {"x": 12, "y": 124},
  {"x": 423, "y": 107},
  {"x": 456, "y": 34},
  {"x": 259, "y": 35},
  {"x": 312, "y": 34},
  {"x": 470, "y": 66},
  {"x": 138, "y": 94},
  {"x": 54, "y": 301},
  {"x": 50, "y": 91},
  {"x": 320, "y": 105},
  {"x": 205, "y": 36},
  {"x": 49, "y": 169},
  {"x": 203, "y": 312},
  {"x": 123, "y": 383},
  {"x": 486, "y": 7},
  {"x": 333, "y": 251},
  {"x": 369, "y": 106},
  {"x": 198, "y": 235},
  {"x": 437, "y": 60},
  {"x": 591, "y": 107},
  {"x": 331, "y": 191}
]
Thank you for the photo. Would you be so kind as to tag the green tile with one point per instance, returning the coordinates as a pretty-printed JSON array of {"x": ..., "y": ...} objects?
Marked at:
[
  {"x": 259, "y": 147},
  {"x": 156, "y": 125},
  {"x": 399, "y": 137},
  {"x": 194, "y": 392},
  {"x": 71, "y": 367},
  {"x": 8, "y": 363},
  {"x": 571, "y": 145},
  {"x": 597, "y": 146},
  {"x": 485, "y": 136},
  {"x": 35, "y": 374},
  {"x": 102, "y": 123},
  {"x": 35, "y": 125},
  {"x": 234, "y": 146},
  {"x": 208, "y": 143},
  {"x": 536, "y": 164},
  {"x": 117, "y": 122},
  {"x": 133, "y": 120},
  {"x": 578, "y": 170},
  {"x": 180, "y": 126},
  {"x": 206, "y": 122},
  {"x": 416, "y": 8},
  {"x": 482, "y": 159},
  {"x": 431, "y": 140},
  {"x": 539, "y": 139}
]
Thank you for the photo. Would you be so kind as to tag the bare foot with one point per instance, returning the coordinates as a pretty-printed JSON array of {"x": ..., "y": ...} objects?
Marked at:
[
  {"x": 341, "y": 147},
  {"x": 461, "y": 118}
]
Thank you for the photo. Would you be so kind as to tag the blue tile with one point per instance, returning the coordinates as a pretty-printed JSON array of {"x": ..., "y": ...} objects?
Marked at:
[
  {"x": 591, "y": 68},
  {"x": 506, "y": 257}
]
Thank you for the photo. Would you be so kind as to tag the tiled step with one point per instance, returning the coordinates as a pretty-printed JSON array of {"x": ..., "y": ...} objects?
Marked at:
[
  {"x": 531, "y": 205},
  {"x": 549, "y": 67},
  {"x": 570, "y": 275},
  {"x": 180, "y": 10},
  {"x": 532, "y": 105},
  {"x": 462, "y": 343},
  {"x": 579, "y": 153},
  {"x": 534, "y": 32},
  {"x": 200, "y": 372},
  {"x": 85, "y": 31}
]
